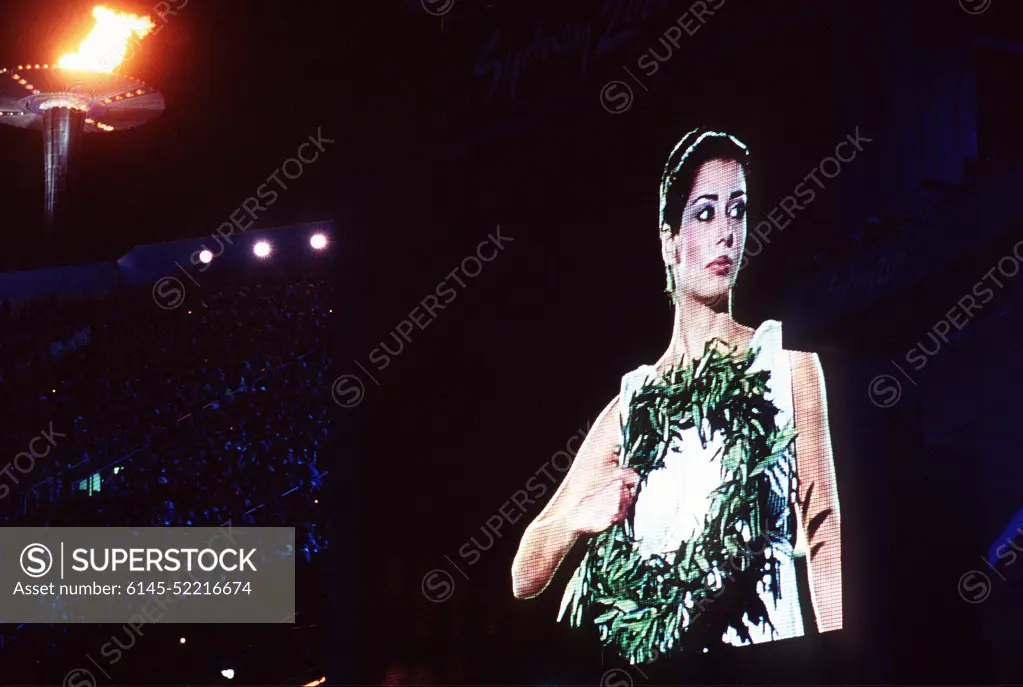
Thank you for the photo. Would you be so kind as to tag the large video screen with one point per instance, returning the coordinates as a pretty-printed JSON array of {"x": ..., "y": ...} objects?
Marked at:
[{"x": 705, "y": 494}]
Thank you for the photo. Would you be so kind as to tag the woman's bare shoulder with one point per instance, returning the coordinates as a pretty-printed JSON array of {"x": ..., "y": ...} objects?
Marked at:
[
  {"x": 807, "y": 372},
  {"x": 743, "y": 329},
  {"x": 740, "y": 337},
  {"x": 801, "y": 362}
]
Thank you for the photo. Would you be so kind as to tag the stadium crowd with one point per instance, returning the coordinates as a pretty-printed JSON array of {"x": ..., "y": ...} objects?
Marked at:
[{"x": 212, "y": 413}]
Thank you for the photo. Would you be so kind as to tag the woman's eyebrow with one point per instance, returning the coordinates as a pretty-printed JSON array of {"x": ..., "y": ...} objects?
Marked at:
[
  {"x": 708, "y": 196},
  {"x": 714, "y": 196}
]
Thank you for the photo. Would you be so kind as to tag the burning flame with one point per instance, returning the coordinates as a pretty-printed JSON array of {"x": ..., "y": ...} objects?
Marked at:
[{"x": 104, "y": 48}]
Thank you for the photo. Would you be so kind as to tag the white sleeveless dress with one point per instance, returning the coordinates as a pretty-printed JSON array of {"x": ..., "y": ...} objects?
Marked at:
[{"x": 672, "y": 505}]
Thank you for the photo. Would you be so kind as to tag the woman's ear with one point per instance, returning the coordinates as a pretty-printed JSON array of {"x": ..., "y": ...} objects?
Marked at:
[{"x": 668, "y": 245}]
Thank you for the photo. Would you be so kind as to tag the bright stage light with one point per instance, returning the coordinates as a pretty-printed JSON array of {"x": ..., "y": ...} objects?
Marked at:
[
  {"x": 205, "y": 257},
  {"x": 182, "y": 640},
  {"x": 229, "y": 674},
  {"x": 262, "y": 249},
  {"x": 318, "y": 241}
]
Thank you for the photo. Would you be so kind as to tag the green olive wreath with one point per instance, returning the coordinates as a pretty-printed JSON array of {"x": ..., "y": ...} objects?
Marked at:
[{"x": 649, "y": 607}]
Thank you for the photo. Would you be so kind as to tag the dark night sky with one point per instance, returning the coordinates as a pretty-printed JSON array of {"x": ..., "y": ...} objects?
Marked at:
[{"x": 244, "y": 83}]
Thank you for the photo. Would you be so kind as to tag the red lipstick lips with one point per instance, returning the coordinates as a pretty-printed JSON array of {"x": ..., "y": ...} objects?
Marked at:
[{"x": 721, "y": 265}]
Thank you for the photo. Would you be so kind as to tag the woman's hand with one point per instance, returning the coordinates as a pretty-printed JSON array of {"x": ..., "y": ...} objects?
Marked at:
[{"x": 606, "y": 502}]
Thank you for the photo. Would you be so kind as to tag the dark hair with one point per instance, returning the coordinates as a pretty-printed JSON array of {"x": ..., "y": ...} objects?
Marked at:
[{"x": 697, "y": 147}]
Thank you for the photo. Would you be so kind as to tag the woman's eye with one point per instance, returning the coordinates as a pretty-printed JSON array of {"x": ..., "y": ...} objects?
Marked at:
[
  {"x": 706, "y": 214},
  {"x": 737, "y": 211}
]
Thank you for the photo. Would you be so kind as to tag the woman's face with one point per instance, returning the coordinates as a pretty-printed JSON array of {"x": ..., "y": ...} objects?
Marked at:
[{"x": 705, "y": 253}]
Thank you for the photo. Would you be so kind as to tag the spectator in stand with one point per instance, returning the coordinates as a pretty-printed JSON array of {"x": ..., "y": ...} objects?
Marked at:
[{"x": 191, "y": 417}]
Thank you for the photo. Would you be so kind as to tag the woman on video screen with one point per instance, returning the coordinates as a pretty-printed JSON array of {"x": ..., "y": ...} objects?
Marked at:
[{"x": 700, "y": 546}]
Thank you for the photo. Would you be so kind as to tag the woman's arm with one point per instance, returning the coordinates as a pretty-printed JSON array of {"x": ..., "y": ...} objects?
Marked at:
[
  {"x": 816, "y": 468},
  {"x": 596, "y": 493}
]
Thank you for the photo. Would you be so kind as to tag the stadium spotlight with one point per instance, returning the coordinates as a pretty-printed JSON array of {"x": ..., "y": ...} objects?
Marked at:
[
  {"x": 261, "y": 249},
  {"x": 205, "y": 257},
  {"x": 318, "y": 241}
]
